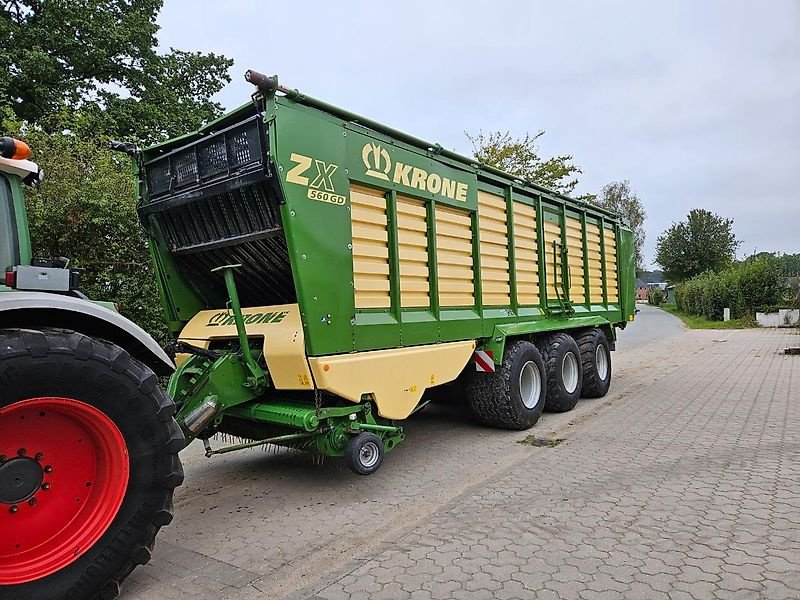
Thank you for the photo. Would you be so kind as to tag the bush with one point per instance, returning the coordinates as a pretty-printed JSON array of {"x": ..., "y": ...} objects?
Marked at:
[
  {"x": 745, "y": 288},
  {"x": 655, "y": 296},
  {"x": 759, "y": 282}
]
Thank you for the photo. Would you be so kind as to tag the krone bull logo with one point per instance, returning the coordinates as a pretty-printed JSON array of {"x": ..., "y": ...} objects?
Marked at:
[{"x": 376, "y": 160}]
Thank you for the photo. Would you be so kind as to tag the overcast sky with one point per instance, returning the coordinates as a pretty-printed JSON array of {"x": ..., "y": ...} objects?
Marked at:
[{"x": 696, "y": 103}]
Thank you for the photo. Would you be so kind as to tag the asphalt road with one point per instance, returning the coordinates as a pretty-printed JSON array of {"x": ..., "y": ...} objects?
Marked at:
[
  {"x": 651, "y": 324},
  {"x": 458, "y": 509}
]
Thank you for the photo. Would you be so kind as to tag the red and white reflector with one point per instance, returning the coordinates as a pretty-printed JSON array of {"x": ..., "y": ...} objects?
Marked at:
[{"x": 484, "y": 361}]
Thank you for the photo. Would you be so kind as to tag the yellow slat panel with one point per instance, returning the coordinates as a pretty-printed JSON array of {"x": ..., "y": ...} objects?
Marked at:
[
  {"x": 370, "y": 248},
  {"x": 414, "y": 269},
  {"x": 372, "y": 300},
  {"x": 610, "y": 242},
  {"x": 366, "y": 197},
  {"x": 495, "y": 274},
  {"x": 414, "y": 284},
  {"x": 577, "y": 292},
  {"x": 489, "y": 199},
  {"x": 525, "y": 210},
  {"x": 526, "y": 257},
  {"x": 525, "y": 231},
  {"x": 410, "y": 222},
  {"x": 454, "y": 244},
  {"x": 575, "y": 261},
  {"x": 416, "y": 299},
  {"x": 371, "y": 283},
  {"x": 494, "y": 262},
  {"x": 455, "y": 285},
  {"x": 452, "y": 215},
  {"x": 412, "y": 248},
  {"x": 364, "y": 248},
  {"x": 455, "y": 299},
  {"x": 450, "y": 230},
  {"x": 412, "y": 238},
  {"x": 493, "y": 250},
  {"x": 449, "y": 257},
  {"x": 414, "y": 208},
  {"x": 552, "y": 232},
  {"x": 493, "y": 236},
  {"x": 496, "y": 227},
  {"x": 414, "y": 253},
  {"x": 454, "y": 254},
  {"x": 374, "y": 266},
  {"x": 495, "y": 287},
  {"x": 369, "y": 231},
  {"x": 455, "y": 273}
]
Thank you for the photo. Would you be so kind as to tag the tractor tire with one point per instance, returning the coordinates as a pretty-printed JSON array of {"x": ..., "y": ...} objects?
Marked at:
[
  {"x": 514, "y": 395},
  {"x": 562, "y": 360},
  {"x": 89, "y": 464},
  {"x": 596, "y": 362}
]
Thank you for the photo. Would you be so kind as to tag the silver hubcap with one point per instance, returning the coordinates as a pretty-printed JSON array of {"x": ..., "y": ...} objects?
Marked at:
[
  {"x": 530, "y": 384},
  {"x": 569, "y": 372},
  {"x": 601, "y": 362},
  {"x": 369, "y": 454}
]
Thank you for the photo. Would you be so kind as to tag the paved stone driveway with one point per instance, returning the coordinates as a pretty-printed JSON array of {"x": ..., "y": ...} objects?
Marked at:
[{"x": 682, "y": 483}]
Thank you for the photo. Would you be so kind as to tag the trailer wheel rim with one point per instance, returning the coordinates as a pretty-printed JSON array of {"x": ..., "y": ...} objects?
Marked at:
[
  {"x": 569, "y": 372},
  {"x": 530, "y": 384},
  {"x": 369, "y": 454},
  {"x": 63, "y": 478},
  {"x": 601, "y": 362}
]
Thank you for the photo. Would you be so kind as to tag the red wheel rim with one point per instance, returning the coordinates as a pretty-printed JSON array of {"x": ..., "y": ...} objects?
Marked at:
[{"x": 63, "y": 477}]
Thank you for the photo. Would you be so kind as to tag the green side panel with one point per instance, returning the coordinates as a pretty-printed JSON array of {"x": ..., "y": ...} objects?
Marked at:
[
  {"x": 313, "y": 156},
  {"x": 627, "y": 274},
  {"x": 309, "y": 149}
]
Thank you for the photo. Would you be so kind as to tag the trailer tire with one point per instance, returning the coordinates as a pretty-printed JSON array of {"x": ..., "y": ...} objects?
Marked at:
[
  {"x": 562, "y": 360},
  {"x": 86, "y": 411},
  {"x": 364, "y": 453},
  {"x": 514, "y": 395},
  {"x": 596, "y": 362}
]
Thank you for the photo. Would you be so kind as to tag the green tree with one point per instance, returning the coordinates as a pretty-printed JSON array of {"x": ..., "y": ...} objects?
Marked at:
[
  {"x": 92, "y": 65},
  {"x": 520, "y": 157},
  {"x": 704, "y": 242},
  {"x": 84, "y": 209},
  {"x": 619, "y": 198}
]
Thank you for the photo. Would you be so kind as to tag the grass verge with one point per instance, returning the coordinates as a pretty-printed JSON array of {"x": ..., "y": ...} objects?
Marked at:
[{"x": 695, "y": 322}]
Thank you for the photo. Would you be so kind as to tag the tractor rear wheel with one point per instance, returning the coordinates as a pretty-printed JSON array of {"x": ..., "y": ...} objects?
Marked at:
[{"x": 88, "y": 465}]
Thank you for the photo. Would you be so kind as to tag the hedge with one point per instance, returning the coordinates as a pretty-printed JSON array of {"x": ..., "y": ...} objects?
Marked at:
[{"x": 745, "y": 288}]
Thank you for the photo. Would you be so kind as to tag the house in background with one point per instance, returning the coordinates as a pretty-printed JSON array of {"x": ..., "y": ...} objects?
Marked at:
[{"x": 642, "y": 289}]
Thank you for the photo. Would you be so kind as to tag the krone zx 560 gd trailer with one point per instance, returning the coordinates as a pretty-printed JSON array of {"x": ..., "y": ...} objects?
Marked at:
[{"x": 326, "y": 276}]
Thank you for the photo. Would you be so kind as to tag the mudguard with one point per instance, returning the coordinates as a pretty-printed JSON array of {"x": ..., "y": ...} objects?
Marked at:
[{"x": 37, "y": 309}]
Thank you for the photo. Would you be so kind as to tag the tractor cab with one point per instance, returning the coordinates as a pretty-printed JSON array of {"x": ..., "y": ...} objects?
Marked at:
[{"x": 21, "y": 271}]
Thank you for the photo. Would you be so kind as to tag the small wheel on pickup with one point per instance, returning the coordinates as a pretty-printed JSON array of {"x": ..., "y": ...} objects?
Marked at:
[
  {"x": 562, "y": 360},
  {"x": 364, "y": 453}
]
